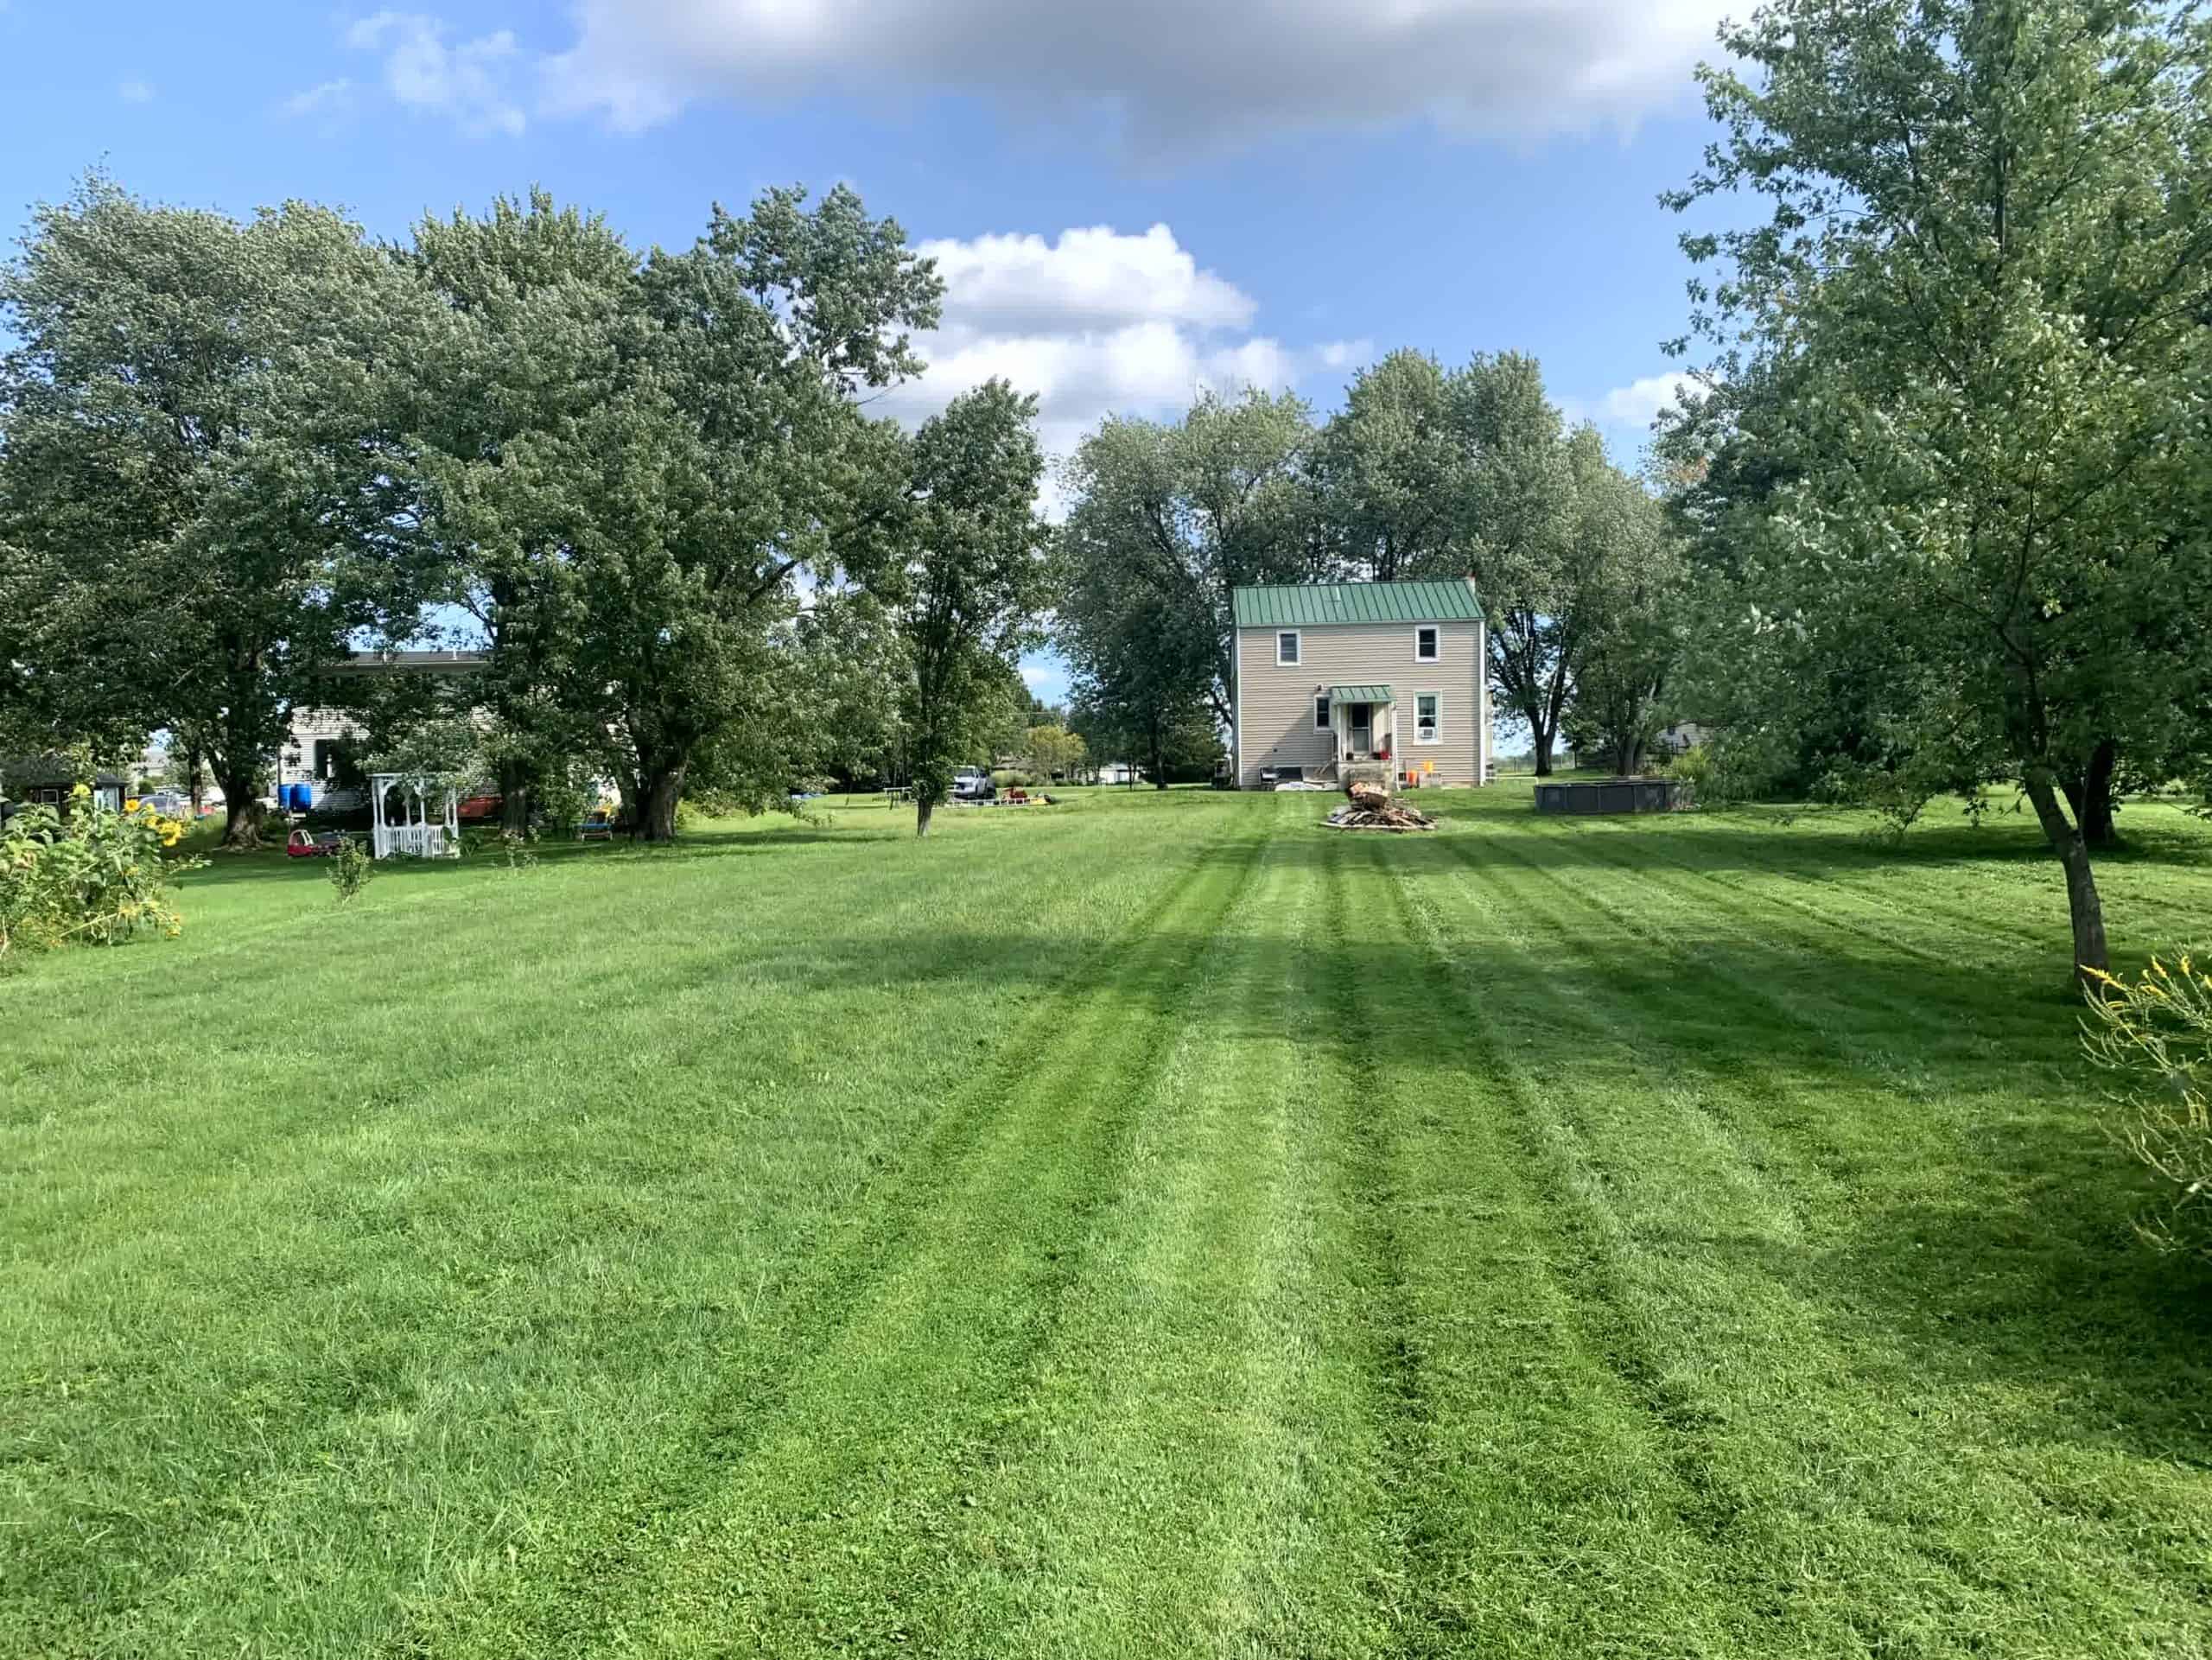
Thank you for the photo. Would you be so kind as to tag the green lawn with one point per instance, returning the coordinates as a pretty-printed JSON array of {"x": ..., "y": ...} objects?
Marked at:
[{"x": 1153, "y": 1226}]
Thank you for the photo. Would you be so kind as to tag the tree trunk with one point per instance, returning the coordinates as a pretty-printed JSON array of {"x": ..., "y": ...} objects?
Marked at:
[
  {"x": 515, "y": 802},
  {"x": 1541, "y": 740},
  {"x": 2090, "y": 797},
  {"x": 241, "y": 812},
  {"x": 658, "y": 790},
  {"x": 923, "y": 808},
  {"x": 192, "y": 781},
  {"x": 2087, "y": 911},
  {"x": 1159, "y": 750}
]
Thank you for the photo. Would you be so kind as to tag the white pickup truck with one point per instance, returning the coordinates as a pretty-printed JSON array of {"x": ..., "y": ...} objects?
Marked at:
[{"x": 972, "y": 784}]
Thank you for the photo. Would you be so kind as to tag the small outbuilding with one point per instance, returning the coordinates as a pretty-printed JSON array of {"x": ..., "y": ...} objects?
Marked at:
[{"x": 51, "y": 780}]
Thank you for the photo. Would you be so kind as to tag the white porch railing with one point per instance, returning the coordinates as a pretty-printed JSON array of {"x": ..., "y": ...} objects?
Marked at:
[{"x": 411, "y": 840}]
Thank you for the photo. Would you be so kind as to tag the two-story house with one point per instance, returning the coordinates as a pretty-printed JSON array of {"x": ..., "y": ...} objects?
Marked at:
[{"x": 1329, "y": 676}]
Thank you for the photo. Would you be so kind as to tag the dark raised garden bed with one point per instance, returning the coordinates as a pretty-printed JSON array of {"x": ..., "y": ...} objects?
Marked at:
[{"x": 1614, "y": 795}]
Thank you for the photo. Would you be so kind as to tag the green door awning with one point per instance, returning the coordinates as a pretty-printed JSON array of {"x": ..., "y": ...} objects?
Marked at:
[{"x": 1361, "y": 694}]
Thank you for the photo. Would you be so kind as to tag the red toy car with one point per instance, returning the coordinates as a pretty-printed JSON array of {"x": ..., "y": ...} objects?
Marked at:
[{"x": 303, "y": 844}]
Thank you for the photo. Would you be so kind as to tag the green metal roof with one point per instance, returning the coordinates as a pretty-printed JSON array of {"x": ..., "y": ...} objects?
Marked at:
[
  {"x": 1361, "y": 694},
  {"x": 1317, "y": 604}
]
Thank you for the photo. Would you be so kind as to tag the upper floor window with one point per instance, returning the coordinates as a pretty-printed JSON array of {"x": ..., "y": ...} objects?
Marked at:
[
  {"x": 1429, "y": 643},
  {"x": 1286, "y": 647}
]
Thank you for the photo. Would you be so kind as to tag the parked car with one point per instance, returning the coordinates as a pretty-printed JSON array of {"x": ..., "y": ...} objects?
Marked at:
[{"x": 972, "y": 784}]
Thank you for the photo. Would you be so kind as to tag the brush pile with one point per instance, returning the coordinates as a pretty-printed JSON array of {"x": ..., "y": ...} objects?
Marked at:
[{"x": 1371, "y": 808}]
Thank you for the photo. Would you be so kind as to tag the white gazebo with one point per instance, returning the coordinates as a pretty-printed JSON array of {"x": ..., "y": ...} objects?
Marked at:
[{"x": 416, "y": 835}]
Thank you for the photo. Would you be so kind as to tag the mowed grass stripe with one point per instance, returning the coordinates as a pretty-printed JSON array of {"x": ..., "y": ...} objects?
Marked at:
[
  {"x": 825, "y": 1511},
  {"x": 1546, "y": 1508},
  {"x": 1774, "y": 1035},
  {"x": 1198, "y": 1469},
  {"x": 1804, "y": 1433},
  {"x": 1534, "y": 1238},
  {"x": 1814, "y": 939},
  {"x": 464, "y": 1308}
]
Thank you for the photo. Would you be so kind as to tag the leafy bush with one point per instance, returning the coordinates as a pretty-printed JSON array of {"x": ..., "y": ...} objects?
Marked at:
[
  {"x": 96, "y": 878},
  {"x": 1014, "y": 778},
  {"x": 350, "y": 869},
  {"x": 520, "y": 849},
  {"x": 1694, "y": 767},
  {"x": 2155, "y": 1034}
]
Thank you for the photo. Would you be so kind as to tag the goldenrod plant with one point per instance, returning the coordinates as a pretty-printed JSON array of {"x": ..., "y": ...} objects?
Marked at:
[{"x": 2155, "y": 1032}]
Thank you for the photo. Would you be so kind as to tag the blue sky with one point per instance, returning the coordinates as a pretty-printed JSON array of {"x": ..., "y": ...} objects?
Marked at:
[{"x": 1129, "y": 202}]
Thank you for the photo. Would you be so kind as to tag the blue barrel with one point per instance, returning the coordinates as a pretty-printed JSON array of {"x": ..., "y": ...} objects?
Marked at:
[{"x": 299, "y": 796}]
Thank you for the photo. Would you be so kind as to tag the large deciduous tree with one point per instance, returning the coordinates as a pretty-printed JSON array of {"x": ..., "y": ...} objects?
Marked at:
[
  {"x": 203, "y": 481},
  {"x": 1393, "y": 468},
  {"x": 974, "y": 577},
  {"x": 1637, "y": 619},
  {"x": 1166, "y": 520},
  {"x": 637, "y": 519},
  {"x": 1985, "y": 281}
]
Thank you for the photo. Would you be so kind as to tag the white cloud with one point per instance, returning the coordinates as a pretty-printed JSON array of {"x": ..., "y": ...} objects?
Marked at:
[
  {"x": 1177, "y": 74},
  {"x": 135, "y": 92},
  {"x": 327, "y": 97},
  {"x": 1090, "y": 275},
  {"x": 1641, "y": 402},
  {"x": 470, "y": 83},
  {"x": 1097, "y": 323}
]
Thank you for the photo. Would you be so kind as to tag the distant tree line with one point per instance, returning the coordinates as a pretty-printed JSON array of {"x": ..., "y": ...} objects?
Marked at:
[{"x": 1425, "y": 472}]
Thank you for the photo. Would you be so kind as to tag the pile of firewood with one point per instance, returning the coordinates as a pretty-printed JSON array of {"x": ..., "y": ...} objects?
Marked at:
[{"x": 1372, "y": 808}]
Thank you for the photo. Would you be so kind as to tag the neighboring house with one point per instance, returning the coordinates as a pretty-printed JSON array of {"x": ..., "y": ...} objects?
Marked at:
[
  {"x": 310, "y": 752},
  {"x": 1681, "y": 736},
  {"x": 29, "y": 780},
  {"x": 1329, "y": 676},
  {"x": 1120, "y": 772}
]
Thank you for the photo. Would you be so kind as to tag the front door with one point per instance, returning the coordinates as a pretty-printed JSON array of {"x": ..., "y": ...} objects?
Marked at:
[{"x": 1363, "y": 734}]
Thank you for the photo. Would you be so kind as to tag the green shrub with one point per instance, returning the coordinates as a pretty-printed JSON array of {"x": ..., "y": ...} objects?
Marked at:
[
  {"x": 1013, "y": 778},
  {"x": 350, "y": 869},
  {"x": 2155, "y": 1034},
  {"x": 1694, "y": 767},
  {"x": 96, "y": 878}
]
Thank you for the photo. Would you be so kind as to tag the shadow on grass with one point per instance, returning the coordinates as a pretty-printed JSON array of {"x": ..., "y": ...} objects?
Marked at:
[
  {"x": 2032, "y": 1275},
  {"x": 273, "y": 865},
  {"x": 2035, "y": 1274}
]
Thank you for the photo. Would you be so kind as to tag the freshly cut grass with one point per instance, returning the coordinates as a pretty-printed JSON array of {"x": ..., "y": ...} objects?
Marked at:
[{"x": 1154, "y": 1225}]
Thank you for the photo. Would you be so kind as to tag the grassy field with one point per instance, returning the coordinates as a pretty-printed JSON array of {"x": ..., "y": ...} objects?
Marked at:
[{"x": 1157, "y": 1226}]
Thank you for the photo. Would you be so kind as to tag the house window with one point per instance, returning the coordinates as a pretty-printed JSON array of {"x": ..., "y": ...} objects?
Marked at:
[
  {"x": 1286, "y": 648},
  {"x": 1429, "y": 643},
  {"x": 1428, "y": 717},
  {"x": 1321, "y": 711}
]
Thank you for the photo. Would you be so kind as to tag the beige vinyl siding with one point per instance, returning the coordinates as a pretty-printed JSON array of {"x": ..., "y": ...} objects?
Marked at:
[{"x": 1274, "y": 702}]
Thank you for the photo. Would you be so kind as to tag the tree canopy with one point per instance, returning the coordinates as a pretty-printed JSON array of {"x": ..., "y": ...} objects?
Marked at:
[
  {"x": 1958, "y": 386},
  {"x": 974, "y": 577},
  {"x": 203, "y": 486}
]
